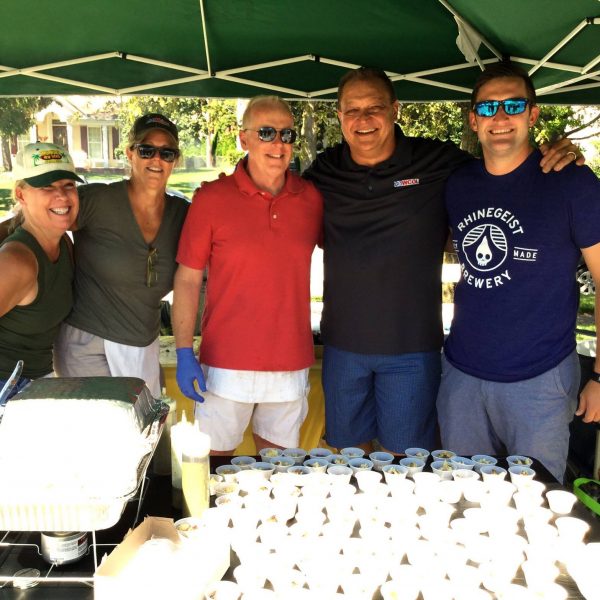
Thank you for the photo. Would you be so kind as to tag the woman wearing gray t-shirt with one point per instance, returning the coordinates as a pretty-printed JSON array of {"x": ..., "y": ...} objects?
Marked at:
[{"x": 126, "y": 240}]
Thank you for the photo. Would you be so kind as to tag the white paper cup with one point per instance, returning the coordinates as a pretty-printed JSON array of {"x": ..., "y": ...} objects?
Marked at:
[
  {"x": 571, "y": 529},
  {"x": 489, "y": 472},
  {"x": 449, "y": 491},
  {"x": 249, "y": 577},
  {"x": 320, "y": 453},
  {"x": 243, "y": 462},
  {"x": 228, "y": 472},
  {"x": 442, "y": 468},
  {"x": 394, "y": 590},
  {"x": 520, "y": 475},
  {"x": 482, "y": 460},
  {"x": 222, "y": 590},
  {"x": 367, "y": 479},
  {"x": 298, "y": 454},
  {"x": 394, "y": 472},
  {"x": 381, "y": 459},
  {"x": 352, "y": 452},
  {"x": 413, "y": 464},
  {"x": 539, "y": 573},
  {"x": 339, "y": 474},
  {"x": 560, "y": 501}
]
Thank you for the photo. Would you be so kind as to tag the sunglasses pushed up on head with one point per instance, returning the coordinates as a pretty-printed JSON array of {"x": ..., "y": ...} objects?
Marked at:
[
  {"x": 268, "y": 134},
  {"x": 147, "y": 151},
  {"x": 512, "y": 106}
]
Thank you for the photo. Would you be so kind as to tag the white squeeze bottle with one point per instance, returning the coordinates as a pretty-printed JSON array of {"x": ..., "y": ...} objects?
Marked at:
[
  {"x": 195, "y": 468},
  {"x": 179, "y": 433}
]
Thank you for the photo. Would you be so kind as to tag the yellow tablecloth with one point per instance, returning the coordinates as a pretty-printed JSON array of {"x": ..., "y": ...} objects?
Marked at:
[{"x": 314, "y": 425}]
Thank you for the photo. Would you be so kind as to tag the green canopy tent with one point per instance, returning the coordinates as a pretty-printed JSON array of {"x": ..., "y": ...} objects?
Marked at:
[{"x": 432, "y": 49}]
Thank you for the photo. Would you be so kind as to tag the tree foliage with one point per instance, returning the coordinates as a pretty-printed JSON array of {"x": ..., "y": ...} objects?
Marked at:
[
  {"x": 441, "y": 120},
  {"x": 555, "y": 122},
  {"x": 211, "y": 122},
  {"x": 17, "y": 115},
  {"x": 318, "y": 126}
]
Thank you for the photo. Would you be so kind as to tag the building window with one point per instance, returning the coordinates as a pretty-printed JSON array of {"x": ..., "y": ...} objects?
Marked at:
[{"x": 94, "y": 135}]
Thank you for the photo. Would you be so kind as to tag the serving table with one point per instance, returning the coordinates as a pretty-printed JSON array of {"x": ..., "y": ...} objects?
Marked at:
[{"x": 19, "y": 550}]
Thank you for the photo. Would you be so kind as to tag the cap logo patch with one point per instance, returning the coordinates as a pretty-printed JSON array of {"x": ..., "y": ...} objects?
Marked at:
[{"x": 47, "y": 156}]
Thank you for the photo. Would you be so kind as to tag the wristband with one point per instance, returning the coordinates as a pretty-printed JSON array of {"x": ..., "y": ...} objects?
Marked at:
[{"x": 595, "y": 376}]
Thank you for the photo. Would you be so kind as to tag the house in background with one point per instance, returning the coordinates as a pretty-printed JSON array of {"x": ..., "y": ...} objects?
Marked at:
[{"x": 86, "y": 125}]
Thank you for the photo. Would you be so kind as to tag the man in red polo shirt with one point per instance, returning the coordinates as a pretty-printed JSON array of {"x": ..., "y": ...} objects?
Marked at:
[{"x": 255, "y": 231}]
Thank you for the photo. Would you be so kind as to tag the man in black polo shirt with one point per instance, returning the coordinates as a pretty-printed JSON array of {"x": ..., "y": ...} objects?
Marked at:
[{"x": 385, "y": 232}]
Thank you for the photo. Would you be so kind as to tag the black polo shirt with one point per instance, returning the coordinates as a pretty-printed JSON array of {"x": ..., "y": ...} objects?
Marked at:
[{"x": 385, "y": 229}]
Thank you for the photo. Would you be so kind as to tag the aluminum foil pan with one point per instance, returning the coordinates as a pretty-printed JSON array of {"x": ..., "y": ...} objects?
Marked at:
[{"x": 55, "y": 428}]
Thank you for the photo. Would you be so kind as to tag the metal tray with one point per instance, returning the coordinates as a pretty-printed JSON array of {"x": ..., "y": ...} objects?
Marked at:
[{"x": 41, "y": 511}]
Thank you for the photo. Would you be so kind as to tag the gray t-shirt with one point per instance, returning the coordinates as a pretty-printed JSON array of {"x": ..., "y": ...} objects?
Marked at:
[{"x": 112, "y": 299}]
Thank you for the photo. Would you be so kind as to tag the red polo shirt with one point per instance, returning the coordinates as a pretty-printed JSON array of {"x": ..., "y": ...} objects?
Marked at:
[{"x": 258, "y": 249}]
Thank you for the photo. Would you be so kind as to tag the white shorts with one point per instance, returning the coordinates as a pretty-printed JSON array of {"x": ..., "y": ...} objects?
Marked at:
[
  {"x": 78, "y": 353},
  {"x": 226, "y": 420}
]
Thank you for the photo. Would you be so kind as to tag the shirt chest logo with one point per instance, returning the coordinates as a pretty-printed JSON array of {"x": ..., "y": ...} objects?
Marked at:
[{"x": 399, "y": 183}]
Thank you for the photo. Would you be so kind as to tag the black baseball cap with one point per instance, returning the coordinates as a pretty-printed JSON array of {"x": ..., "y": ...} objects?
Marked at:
[{"x": 145, "y": 123}]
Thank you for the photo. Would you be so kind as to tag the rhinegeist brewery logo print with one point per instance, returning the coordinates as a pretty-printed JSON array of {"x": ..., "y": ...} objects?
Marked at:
[
  {"x": 485, "y": 247},
  {"x": 489, "y": 245}
]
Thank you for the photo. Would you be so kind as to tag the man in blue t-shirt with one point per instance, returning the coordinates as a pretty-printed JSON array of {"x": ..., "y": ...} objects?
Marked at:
[{"x": 510, "y": 371}]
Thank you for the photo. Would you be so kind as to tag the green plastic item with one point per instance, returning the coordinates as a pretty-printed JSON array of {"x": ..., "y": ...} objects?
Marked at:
[{"x": 592, "y": 504}]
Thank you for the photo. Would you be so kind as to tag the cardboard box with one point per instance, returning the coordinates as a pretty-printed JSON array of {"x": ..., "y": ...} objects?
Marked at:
[{"x": 132, "y": 570}]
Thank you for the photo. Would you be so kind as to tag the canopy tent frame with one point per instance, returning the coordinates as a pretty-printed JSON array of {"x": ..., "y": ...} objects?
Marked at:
[{"x": 470, "y": 39}]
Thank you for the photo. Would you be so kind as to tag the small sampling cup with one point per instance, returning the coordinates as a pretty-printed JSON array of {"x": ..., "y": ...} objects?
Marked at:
[
  {"x": 482, "y": 460},
  {"x": 298, "y": 454},
  {"x": 421, "y": 453},
  {"x": 560, "y": 501},
  {"x": 393, "y": 473},
  {"x": 367, "y": 479},
  {"x": 267, "y": 453},
  {"x": 571, "y": 529},
  {"x": 352, "y": 452},
  {"x": 228, "y": 472},
  {"x": 317, "y": 465},
  {"x": 413, "y": 464},
  {"x": 442, "y": 468},
  {"x": 282, "y": 463},
  {"x": 320, "y": 453},
  {"x": 243, "y": 462},
  {"x": 381, "y": 459},
  {"x": 518, "y": 460},
  {"x": 519, "y": 475},
  {"x": 489, "y": 472},
  {"x": 360, "y": 464},
  {"x": 462, "y": 462}
]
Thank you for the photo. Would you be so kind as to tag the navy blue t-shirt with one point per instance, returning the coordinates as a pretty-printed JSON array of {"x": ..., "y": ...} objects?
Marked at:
[{"x": 518, "y": 238}]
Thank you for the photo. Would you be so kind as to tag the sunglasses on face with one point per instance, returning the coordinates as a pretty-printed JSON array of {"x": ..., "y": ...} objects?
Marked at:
[
  {"x": 512, "y": 106},
  {"x": 268, "y": 134},
  {"x": 146, "y": 151},
  {"x": 151, "y": 275}
]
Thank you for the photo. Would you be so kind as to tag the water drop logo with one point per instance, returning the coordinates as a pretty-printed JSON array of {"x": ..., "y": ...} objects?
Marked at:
[{"x": 485, "y": 247}]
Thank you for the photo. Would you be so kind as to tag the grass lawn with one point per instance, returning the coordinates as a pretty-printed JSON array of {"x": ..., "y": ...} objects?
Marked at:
[{"x": 183, "y": 181}]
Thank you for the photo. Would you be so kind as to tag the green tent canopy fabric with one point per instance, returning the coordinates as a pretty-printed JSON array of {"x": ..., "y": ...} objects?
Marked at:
[{"x": 432, "y": 49}]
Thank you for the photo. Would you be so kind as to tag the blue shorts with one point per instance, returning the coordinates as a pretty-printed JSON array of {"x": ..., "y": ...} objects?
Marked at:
[
  {"x": 390, "y": 398},
  {"x": 529, "y": 417}
]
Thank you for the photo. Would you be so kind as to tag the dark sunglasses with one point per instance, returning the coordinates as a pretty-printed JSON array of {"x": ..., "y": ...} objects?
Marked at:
[
  {"x": 268, "y": 134},
  {"x": 488, "y": 108},
  {"x": 151, "y": 274},
  {"x": 146, "y": 151}
]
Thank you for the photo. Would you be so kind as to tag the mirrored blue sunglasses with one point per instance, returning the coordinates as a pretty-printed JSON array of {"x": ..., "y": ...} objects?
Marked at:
[{"x": 512, "y": 106}]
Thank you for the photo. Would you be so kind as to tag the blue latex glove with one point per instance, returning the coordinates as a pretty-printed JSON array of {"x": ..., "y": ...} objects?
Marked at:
[{"x": 188, "y": 372}]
